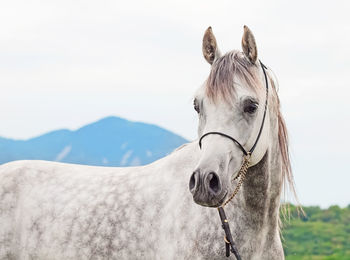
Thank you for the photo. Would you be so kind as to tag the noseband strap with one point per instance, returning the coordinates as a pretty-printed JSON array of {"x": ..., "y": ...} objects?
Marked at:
[{"x": 225, "y": 135}]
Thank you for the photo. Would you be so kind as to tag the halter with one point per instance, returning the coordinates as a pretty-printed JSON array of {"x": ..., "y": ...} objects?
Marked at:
[
  {"x": 230, "y": 245},
  {"x": 261, "y": 127}
]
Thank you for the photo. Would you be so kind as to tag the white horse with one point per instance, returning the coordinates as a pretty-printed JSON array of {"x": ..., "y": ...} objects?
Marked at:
[{"x": 52, "y": 210}]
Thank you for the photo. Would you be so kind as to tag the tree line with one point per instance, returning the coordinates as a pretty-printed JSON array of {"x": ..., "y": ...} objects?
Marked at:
[{"x": 316, "y": 234}]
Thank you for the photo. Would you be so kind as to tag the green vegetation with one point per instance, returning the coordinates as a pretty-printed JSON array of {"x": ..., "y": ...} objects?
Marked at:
[{"x": 322, "y": 234}]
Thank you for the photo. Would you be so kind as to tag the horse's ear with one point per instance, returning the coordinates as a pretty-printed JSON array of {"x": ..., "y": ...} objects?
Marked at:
[
  {"x": 249, "y": 45},
  {"x": 210, "y": 48}
]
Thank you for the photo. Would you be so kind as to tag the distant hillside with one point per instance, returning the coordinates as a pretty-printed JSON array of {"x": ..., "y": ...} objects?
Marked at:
[
  {"x": 111, "y": 141},
  {"x": 324, "y": 234}
]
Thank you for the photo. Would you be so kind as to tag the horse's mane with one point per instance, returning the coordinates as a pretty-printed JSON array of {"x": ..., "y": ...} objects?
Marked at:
[
  {"x": 221, "y": 84},
  {"x": 283, "y": 141}
]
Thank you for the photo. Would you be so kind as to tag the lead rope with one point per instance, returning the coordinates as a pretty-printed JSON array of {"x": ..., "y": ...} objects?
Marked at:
[
  {"x": 241, "y": 175},
  {"x": 229, "y": 244}
]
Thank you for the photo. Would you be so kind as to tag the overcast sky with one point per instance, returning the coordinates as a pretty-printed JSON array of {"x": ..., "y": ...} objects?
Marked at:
[{"x": 64, "y": 64}]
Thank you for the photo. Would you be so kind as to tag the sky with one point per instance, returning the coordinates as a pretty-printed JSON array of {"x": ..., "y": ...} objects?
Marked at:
[{"x": 64, "y": 64}]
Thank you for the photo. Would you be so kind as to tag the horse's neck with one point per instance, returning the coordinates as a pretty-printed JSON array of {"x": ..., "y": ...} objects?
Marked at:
[
  {"x": 261, "y": 191},
  {"x": 256, "y": 207}
]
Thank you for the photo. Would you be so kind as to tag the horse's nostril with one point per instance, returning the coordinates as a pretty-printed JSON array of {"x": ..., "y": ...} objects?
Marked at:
[
  {"x": 214, "y": 183},
  {"x": 192, "y": 184}
]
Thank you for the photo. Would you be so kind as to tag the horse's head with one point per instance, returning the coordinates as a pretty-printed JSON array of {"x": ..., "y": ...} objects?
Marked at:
[{"x": 231, "y": 102}]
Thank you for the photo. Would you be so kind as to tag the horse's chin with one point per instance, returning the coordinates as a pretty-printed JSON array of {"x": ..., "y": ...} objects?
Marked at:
[{"x": 212, "y": 202}]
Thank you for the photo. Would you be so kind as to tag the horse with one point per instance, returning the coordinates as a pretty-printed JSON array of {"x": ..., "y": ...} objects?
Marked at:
[{"x": 165, "y": 210}]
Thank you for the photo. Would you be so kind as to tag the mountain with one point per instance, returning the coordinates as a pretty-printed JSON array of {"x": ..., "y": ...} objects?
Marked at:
[{"x": 111, "y": 141}]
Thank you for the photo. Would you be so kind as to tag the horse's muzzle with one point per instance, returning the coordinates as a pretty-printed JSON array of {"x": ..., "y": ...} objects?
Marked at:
[{"x": 206, "y": 188}]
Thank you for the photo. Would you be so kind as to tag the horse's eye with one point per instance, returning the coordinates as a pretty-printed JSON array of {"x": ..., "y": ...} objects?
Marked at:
[
  {"x": 250, "y": 106},
  {"x": 196, "y": 106}
]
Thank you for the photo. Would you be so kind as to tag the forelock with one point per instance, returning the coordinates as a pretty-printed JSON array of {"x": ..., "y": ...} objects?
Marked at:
[{"x": 225, "y": 73}]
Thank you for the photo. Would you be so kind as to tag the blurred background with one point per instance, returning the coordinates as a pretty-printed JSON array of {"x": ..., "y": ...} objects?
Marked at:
[{"x": 96, "y": 68}]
